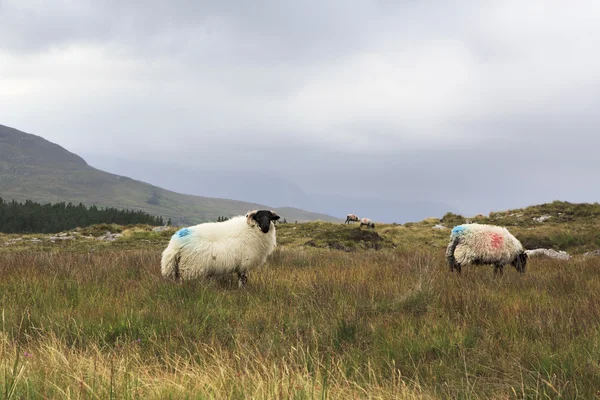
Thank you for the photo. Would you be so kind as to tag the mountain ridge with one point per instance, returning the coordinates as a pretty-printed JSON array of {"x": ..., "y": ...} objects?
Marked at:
[{"x": 33, "y": 168}]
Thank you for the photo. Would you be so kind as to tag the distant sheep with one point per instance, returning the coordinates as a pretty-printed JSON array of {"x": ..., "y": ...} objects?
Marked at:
[
  {"x": 484, "y": 244},
  {"x": 239, "y": 245},
  {"x": 367, "y": 222},
  {"x": 351, "y": 218}
]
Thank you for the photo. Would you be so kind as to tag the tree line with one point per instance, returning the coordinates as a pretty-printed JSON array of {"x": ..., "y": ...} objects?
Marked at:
[{"x": 32, "y": 217}]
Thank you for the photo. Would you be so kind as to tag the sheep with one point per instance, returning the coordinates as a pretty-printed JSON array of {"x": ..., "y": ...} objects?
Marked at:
[
  {"x": 367, "y": 222},
  {"x": 484, "y": 244},
  {"x": 351, "y": 218},
  {"x": 239, "y": 245}
]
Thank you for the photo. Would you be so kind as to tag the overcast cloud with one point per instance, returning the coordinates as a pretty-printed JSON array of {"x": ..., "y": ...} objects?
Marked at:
[{"x": 479, "y": 105}]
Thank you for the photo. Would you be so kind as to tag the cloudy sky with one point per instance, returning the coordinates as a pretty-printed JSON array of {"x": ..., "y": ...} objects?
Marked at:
[{"x": 477, "y": 105}]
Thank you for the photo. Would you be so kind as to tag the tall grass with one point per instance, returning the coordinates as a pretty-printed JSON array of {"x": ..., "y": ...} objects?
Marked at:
[{"x": 313, "y": 323}]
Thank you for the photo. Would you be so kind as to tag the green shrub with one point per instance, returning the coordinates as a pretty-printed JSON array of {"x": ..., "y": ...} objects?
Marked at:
[{"x": 451, "y": 219}]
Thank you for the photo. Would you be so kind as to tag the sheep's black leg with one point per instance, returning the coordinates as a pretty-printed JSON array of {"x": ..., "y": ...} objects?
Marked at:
[
  {"x": 242, "y": 279},
  {"x": 498, "y": 268},
  {"x": 454, "y": 266}
]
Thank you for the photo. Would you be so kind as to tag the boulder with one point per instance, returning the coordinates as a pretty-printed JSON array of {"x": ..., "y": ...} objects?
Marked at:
[
  {"x": 559, "y": 255},
  {"x": 109, "y": 237},
  {"x": 542, "y": 218},
  {"x": 594, "y": 253}
]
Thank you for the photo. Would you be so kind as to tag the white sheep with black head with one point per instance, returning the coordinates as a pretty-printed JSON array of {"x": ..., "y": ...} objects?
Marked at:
[
  {"x": 368, "y": 222},
  {"x": 351, "y": 218},
  {"x": 238, "y": 245},
  {"x": 484, "y": 244}
]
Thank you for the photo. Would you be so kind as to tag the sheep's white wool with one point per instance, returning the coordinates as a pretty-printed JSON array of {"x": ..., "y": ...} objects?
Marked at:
[
  {"x": 484, "y": 243},
  {"x": 217, "y": 248},
  {"x": 368, "y": 222}
]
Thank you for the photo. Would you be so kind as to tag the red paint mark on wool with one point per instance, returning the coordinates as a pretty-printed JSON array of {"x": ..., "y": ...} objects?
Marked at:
[{"x": 497, "y": 240}]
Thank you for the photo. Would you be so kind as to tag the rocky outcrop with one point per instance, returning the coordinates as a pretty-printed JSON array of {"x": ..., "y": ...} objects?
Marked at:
[
  {"x": 595, "y": 253},
  {"x": 109, "y": 237},
  {"x": 542, "y": 218},
  {"x": 559, "y": 255}
]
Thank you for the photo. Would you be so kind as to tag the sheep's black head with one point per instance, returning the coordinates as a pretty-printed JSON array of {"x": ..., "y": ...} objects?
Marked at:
[
  {"x": 262, "y": 218},
  {"x": 520, "y": 262}
]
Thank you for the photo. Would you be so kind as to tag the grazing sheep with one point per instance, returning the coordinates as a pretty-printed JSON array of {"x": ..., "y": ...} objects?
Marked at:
[
  {"x": 367, "y": 222},
  {"x": 484, "y": 244},
  {"x": 351, "y": 218},
  {"x": 237, "y": 245}
]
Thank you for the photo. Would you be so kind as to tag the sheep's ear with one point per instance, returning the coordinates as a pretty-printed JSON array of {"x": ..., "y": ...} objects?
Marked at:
[
  {"x": 250, "y": 216},
  {"x": 274, "y": 216}
]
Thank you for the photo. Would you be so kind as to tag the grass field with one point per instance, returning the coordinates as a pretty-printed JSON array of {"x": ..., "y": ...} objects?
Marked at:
[{"x": 378, "y": 318}]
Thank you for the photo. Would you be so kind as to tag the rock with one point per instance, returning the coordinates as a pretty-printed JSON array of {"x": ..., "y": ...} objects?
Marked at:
[
  {"x": 109, "y": 237},
  {"x": 114, "y": 236},
  {"x": 36, "y": 240},
  {"x": 160, "y": 228},
  {"x": 560, "y": 255},
  {"x": 595, "y": 253},
  {"x": 542, "y": 218},
  {"x": 12, "y": 241},
  {"x": 103, "y": 237},
  {"x": 55, "y": 238},
  {"x": 439, "y": 226}
]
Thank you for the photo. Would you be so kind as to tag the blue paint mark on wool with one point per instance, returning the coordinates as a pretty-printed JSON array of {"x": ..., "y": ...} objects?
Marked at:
[
  {"x": 183, "y": 232},
  {"x": 458, "y": 230}
]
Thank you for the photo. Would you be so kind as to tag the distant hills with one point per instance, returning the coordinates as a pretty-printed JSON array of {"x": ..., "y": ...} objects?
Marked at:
[
  {"x": 281, "y": 189},
  {"x": 32, "y": 168}
]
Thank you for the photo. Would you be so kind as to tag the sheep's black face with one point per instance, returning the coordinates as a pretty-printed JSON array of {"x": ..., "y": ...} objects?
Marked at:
[
  {"x": 263, "y": 218},
  {"x": 520, "y": 262}
]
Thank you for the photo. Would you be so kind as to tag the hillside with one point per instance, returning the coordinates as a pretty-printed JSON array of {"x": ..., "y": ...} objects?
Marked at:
[
  {"x": 574, "y": 228},
  {"x": 36, "y": 169}
]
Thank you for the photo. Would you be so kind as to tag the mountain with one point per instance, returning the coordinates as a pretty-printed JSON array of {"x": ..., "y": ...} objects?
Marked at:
[
  {"x": 229, "y": 184},
  {"x": 32, "y": 168},
  {"x": 280, "y": 190}
]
